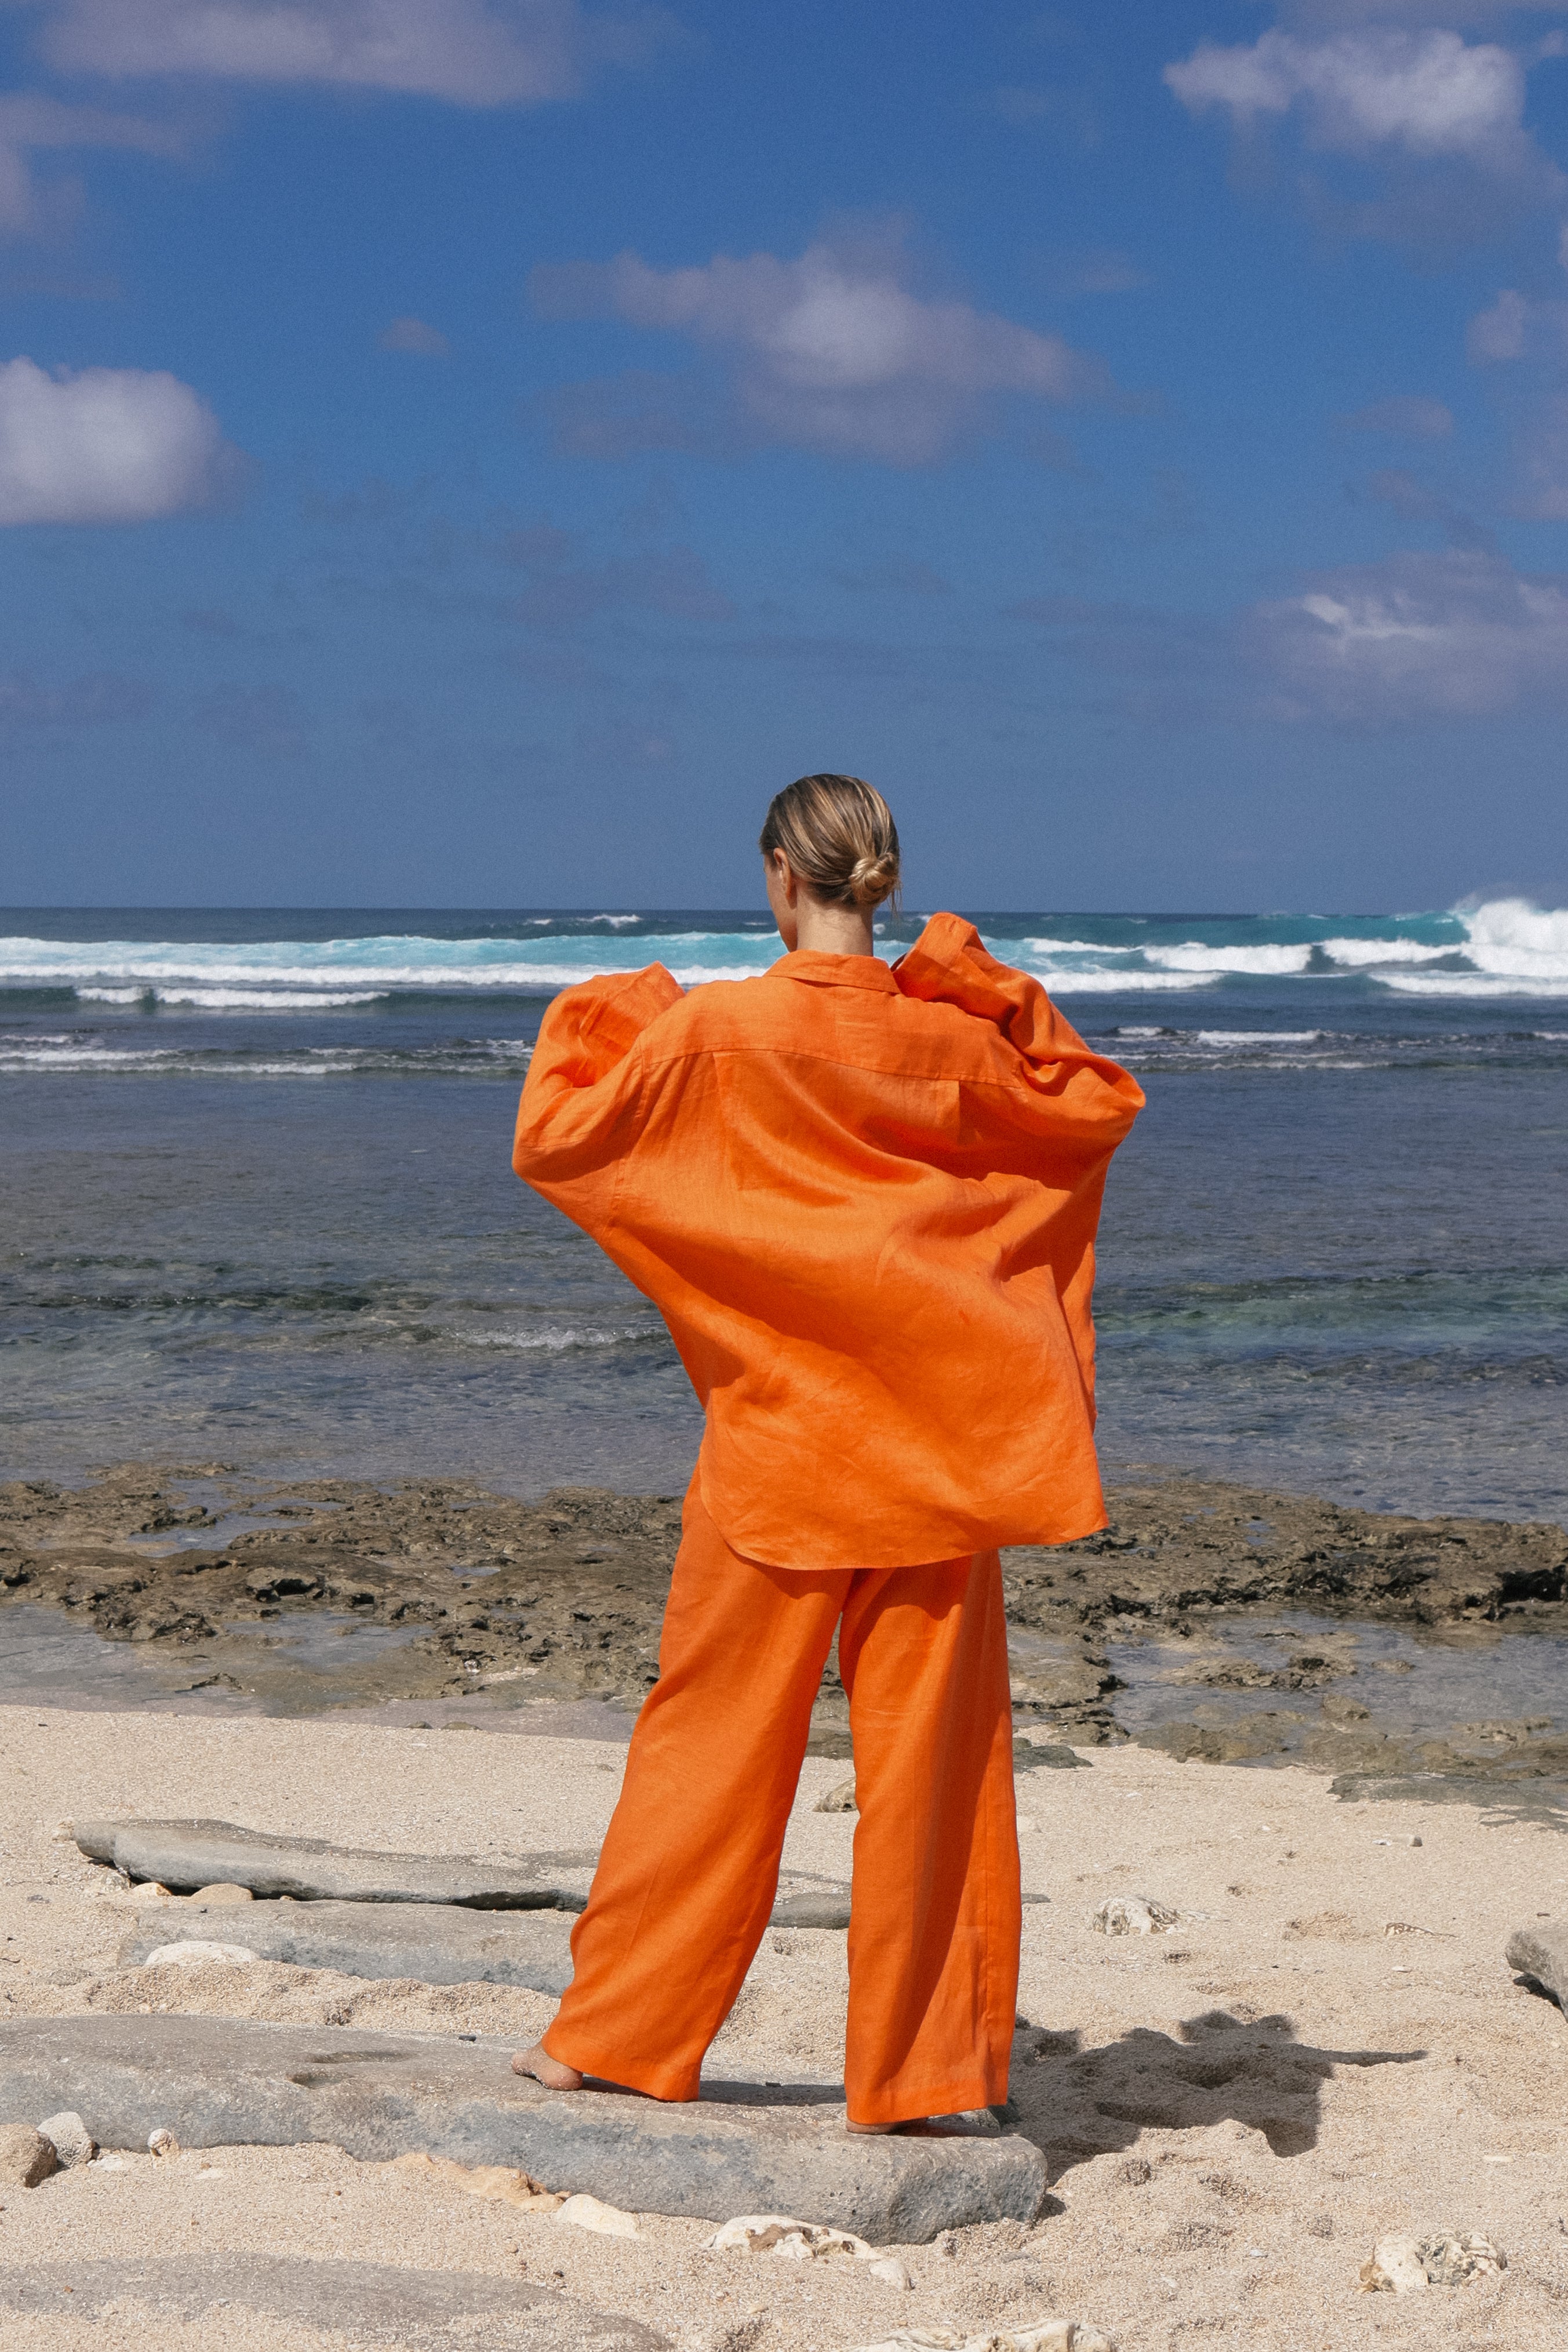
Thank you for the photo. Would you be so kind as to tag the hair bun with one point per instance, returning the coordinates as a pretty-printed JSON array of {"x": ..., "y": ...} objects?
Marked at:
[
  {"x": 872, "y": 878},
  {"x": 839, "y": 836}
]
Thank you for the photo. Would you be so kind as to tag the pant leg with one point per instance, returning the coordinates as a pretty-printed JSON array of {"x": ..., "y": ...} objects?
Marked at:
[
  {"x": 936, "y": 1914},
  {"x": 690, "y": 1865}
]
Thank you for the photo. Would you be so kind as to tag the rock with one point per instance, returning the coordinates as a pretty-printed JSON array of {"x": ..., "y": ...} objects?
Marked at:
[
  {"x": 1451, "y": 2260},
  {"x": 1046, "y": 1755},
  {"x": 500, "y": 2182},
  {"x": 389, "y": 2307},
  {"x": 69, "y": 2137},
  {"x": 224, "y": 1892},
  {"x": 1541, "y": 1953},
  {"x": 26, "y": 2157},
  {"x": 1406, "y": 2265},
  {"x": 585, "y": 2212},
  {"x": 191, "y": 1950},
  {"x": 777, "y": 2233},
  {"x": 225, "y": 2082},
  {"x": 1039, "y": 2336},
  {"x": 432, "y": 1943},
  {"x": 1133, "y": 1915},
  {"x": 841, "y": 1799},
  {"x": 1395, "y": 2267},
  {"x": 162, "y": 2142},
  {"x": 186, "y": 1856},
  {"x": 827, "y": 1906}
]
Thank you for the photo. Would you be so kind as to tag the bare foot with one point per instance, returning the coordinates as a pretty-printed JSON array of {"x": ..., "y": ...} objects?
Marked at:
[
  {"x": 968, "y": 2125},
  {"x": 538, "y": 2062}
]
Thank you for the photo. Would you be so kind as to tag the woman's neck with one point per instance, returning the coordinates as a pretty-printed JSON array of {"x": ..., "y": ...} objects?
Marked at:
[{"x": 823, "y": 929}]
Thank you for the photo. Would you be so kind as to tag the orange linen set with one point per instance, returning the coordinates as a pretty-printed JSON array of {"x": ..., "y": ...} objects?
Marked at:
[{"x": 864, "y": 1199}]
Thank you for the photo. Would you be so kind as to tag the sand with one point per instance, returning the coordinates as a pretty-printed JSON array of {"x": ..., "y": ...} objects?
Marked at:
[{"x": 1329, "y": 2046}]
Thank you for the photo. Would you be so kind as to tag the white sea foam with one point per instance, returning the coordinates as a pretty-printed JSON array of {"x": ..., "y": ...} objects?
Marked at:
[
  {"x": 1365, "y": 955},
  {"x": 1258, "y": 1036},
  {"x": 556, "y": 1342},
  {"x": 1195, "y": 955},
  {"x": 1476, "y": 983},
  {"x": 237, "y": 1000},
  {"x": 1120, "y": 983},
  {"x": 1509, "y": 944}
]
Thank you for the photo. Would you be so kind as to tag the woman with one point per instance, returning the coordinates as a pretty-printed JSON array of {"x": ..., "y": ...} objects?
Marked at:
[{"x": 864, "y": 1199}]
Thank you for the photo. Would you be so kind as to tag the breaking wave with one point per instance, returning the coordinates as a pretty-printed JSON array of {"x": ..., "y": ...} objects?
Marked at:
[{"x": 1498, "y": 947}]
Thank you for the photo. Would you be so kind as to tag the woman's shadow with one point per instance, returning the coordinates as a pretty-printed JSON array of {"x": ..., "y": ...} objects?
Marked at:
[{"x": 1076, "y": 2104}]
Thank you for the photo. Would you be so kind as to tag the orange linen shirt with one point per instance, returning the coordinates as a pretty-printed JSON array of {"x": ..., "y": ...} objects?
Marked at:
[{"x": 864, "y": 1200}]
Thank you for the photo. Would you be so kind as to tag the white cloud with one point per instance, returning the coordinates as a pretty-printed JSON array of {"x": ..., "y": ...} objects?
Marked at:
[
  {"x": 29, "y": 124},
  {"x": 1501, "y": 332},
  {"x": 1320, "y": 14},
  {"x": 1459, "y": 633},
  {"x": 415, "y": 336},
  {"x": 1531, "y": 339},
  {"x": 1430, "y": 92},
  {"x": 109, "y": 444},
  {"x": 1409, "y": 416},
  {"x": 471, "y": 52},
  {"x": 833, "y": 352}
]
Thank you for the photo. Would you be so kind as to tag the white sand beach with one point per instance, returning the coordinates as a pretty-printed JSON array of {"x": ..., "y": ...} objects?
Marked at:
[{"x": 1328, "y": 2047}]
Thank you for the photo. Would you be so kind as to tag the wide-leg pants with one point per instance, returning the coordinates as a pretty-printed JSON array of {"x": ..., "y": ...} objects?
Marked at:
[{"x": 689, "y": 1868}]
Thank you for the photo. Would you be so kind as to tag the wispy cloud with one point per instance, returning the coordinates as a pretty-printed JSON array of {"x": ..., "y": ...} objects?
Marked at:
[
  {"x": 563, "y": 591},
  {"x": 109, "y": 444},
  {"x": 266, "y": 719},
  {"x": 835, "y": 351},
  {"x": 414, "y": 336},
  {"x": 1527, "y": 341},
  {"x": 31, "y": 124},
  {"x": 1425, "y": 635},
  {"x": 100, "y": 699},
  {"x": 470, "y": 52},
  {"x": 1406, "y": 416}
]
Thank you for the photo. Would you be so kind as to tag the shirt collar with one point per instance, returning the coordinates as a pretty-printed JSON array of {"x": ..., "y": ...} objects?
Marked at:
[{"x": 819, "y": 971}]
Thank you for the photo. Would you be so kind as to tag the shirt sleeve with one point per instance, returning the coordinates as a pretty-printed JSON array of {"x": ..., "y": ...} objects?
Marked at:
[
  {"x": 1059, "y": 1118},
  {"x": 581, "y": 1109},
  {"x": 1085, "y": 1097}
]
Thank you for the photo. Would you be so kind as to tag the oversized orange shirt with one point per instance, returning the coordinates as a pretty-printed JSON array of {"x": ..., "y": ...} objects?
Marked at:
[{"x": 863, "y": 1198}]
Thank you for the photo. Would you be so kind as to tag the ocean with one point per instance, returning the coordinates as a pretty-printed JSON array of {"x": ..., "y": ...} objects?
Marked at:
[{"x": 258, "y": 1206}]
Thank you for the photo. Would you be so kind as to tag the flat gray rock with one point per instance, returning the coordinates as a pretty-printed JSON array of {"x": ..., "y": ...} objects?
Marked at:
[
  {"x": 370, "y": 2302},
  {"x": 432, "y": 1943},
  {"x": 217, "y": 2082},
  {"x": 1542, "y": 1952},
  {"x": 812, "y": 1906},
  {"x": 186, "y": 1856}
]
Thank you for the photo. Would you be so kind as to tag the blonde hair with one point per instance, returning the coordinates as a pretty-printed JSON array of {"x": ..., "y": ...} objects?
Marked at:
[{"x": 839, "y": 836}]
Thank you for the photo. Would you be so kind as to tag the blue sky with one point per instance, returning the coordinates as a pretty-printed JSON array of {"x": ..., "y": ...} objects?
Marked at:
[{"x": 474, "y": 451}]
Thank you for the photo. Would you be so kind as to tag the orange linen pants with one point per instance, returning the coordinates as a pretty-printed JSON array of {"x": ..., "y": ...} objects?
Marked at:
[{"x": 690, "y": 1865}]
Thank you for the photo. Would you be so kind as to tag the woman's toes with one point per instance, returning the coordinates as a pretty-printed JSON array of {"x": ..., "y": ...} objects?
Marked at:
[{"x": 547, "y": 2070}]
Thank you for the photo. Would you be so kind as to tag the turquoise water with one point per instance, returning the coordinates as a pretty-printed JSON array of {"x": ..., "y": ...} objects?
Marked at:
[{"x": 259, "y": 1210}]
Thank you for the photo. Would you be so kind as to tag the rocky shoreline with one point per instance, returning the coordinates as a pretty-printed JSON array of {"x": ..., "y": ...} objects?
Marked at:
[{"x": 474, "y": 1594}]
